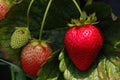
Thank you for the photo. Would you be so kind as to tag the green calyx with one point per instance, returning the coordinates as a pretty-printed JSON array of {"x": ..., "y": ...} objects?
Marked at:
[
  {"x": 36, "y": 42},
  {"x": 84, "y": 20}
]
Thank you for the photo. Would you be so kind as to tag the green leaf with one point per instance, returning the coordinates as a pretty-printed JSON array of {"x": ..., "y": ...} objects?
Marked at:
[
  {"x": 17, "y": 73},
  {"x": 102, "y": 10},
  {"x": 15, "y": 70},
  {"x": 52, "y": 35},
  {"x": 105, "y": 69},
  {"x": 61, "y": 56},
  {"x": 112, "y": 39},
  {"x": 62, "y": 65}
]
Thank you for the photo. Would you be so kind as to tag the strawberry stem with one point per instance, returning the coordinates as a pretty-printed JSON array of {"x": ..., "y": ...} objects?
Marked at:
[
  {"x": 28, "y": 11},
  {"x": 12, "y": 73},
  {"x": 78, "y": 7},
  {"x": 44, "y": 18}
]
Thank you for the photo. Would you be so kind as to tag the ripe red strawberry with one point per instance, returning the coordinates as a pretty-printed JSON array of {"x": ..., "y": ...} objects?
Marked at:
[
  {"x": 83, "y": 43},
  {"x": 4, "y": 8},
  {"x": 34, "y": 55}
]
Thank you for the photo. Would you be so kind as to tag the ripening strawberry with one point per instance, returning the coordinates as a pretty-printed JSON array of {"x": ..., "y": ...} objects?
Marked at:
[
  {"x": 34, "y": 55},
  {"x": 83, "y": 44},
  {"x": 5, "y": 6}
]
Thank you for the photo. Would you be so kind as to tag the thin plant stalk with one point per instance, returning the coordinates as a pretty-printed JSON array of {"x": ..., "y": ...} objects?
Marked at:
[
  {"x": 78, "y": 7},
  {"x": 44, "y": 18},
  {"x": 28, "y": 11}
]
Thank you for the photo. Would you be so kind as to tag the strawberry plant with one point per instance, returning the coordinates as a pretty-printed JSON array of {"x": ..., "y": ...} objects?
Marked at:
[
  {"x": 70, "y": 54},
  {"x": 83, "y": 40}
]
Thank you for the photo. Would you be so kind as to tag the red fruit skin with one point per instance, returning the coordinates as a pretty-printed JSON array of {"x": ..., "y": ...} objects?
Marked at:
[
  {"x": 33, "y": 57},
  {"x": 83, "y": 45},
  {"x": 4, "y": 8}
]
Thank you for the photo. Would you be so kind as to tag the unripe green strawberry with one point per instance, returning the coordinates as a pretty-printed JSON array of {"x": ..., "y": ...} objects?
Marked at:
[
  {"x": 20, "y": 37},
  {"x": 34, "y": 55}
]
